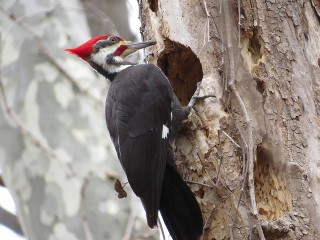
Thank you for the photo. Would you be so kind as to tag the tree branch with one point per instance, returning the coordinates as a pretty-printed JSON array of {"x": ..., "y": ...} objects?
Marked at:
[
  {"x": 84, "y": 221},
  {"x": 2, "y": 182},
  {"x": 130, "y": 223},
  {"x": 10, "y": 220}
]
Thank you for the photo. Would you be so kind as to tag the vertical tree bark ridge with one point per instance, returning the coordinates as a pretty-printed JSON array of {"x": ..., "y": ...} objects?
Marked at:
[{"x": 276, "y": 75}]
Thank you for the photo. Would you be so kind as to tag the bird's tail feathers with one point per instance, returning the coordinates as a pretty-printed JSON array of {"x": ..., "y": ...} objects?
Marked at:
[{"x": 179, "y": 207}]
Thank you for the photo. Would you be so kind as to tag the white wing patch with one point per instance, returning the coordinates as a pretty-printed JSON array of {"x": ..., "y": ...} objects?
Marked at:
[{"x": 165, "y": 131}]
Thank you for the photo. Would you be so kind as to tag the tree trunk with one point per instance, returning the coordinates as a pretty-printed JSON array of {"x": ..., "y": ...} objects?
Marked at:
[{"x": 261, "y": 59}]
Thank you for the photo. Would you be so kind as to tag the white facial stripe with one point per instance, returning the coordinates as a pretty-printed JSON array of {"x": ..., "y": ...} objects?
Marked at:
[
  {"x": 165, "y": 131},
  {"x": 100, "y": 59},
  {"x": 118, "y": 59}
]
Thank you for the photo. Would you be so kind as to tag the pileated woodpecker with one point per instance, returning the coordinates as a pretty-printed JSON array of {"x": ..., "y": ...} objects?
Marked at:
[{"x": 143, "y": 115}]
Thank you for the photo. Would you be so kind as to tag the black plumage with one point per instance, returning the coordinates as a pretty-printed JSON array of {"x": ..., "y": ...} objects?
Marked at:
[{"x": 138, "y": 108}]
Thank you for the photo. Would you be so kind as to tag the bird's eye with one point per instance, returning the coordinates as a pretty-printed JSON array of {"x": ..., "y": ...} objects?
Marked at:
[{"x": 112, "y": 39}]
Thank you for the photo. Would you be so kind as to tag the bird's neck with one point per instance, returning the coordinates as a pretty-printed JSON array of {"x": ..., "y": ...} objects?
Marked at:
[
  {"x": 108, "y": 65},
  {"x": 107, "y": 74}
]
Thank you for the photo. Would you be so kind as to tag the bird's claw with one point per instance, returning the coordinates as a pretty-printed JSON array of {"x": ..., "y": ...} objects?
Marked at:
[{"x": 196, "y": 96}]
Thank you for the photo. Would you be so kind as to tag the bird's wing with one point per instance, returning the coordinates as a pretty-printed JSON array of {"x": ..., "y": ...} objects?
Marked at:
[{"x": 138, "y": 117}]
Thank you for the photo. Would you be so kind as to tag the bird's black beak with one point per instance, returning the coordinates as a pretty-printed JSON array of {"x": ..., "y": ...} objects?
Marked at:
[
  {"x": 133, "y": 47},
  {"x": 139, "y": 45}
]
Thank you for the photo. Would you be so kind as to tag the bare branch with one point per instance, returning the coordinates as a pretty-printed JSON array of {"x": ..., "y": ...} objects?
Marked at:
[
  {"x": 210, "y": 218},
  {"x": 2, "y": 182},
  {"x": 220, "y": 156},
  {"x": 231, "y": 139},
  {"x": 201, "y": 184},
  {"x": 10, "y": 220},
  {"x": 130, "y": 223},
  {"x": 205, "y": 169},
  {"x": 239, "y": 24},
  {"x": 206, "y": 33},
  {"x": 84, "y": 222}
]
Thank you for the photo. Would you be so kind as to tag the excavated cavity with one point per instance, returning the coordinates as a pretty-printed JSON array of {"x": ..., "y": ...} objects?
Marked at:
[
  {"x": 273, "y": 197},
  {"x": 153, "y": 5},
  {"x": 261, "y": 86},
  {"x": 255, "y": 46},
  {"x": 182, "y": 67}
]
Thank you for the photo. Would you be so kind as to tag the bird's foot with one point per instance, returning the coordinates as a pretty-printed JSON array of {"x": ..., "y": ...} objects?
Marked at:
[{"x": 196, "y": 96}]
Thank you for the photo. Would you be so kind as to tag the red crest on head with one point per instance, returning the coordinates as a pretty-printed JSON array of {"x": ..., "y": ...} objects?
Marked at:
[{"x": 84, "y": 50}]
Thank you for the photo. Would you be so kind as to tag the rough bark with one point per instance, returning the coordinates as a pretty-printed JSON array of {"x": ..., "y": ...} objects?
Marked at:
[{"x": 261, "y": 60}]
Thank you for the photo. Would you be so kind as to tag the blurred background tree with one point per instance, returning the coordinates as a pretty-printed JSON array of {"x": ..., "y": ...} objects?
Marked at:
[{"x": 55, "y": 153}]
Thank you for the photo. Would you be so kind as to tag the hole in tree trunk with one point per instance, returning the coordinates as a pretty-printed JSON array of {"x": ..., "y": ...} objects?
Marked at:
[
  {"x": 256, "y": 46},
  {"x": 182, "y": 67},
  {"x": 261, "y": 85},
  {"x": 153, "y": 5},
  {"x": 273, "y": 197}
]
